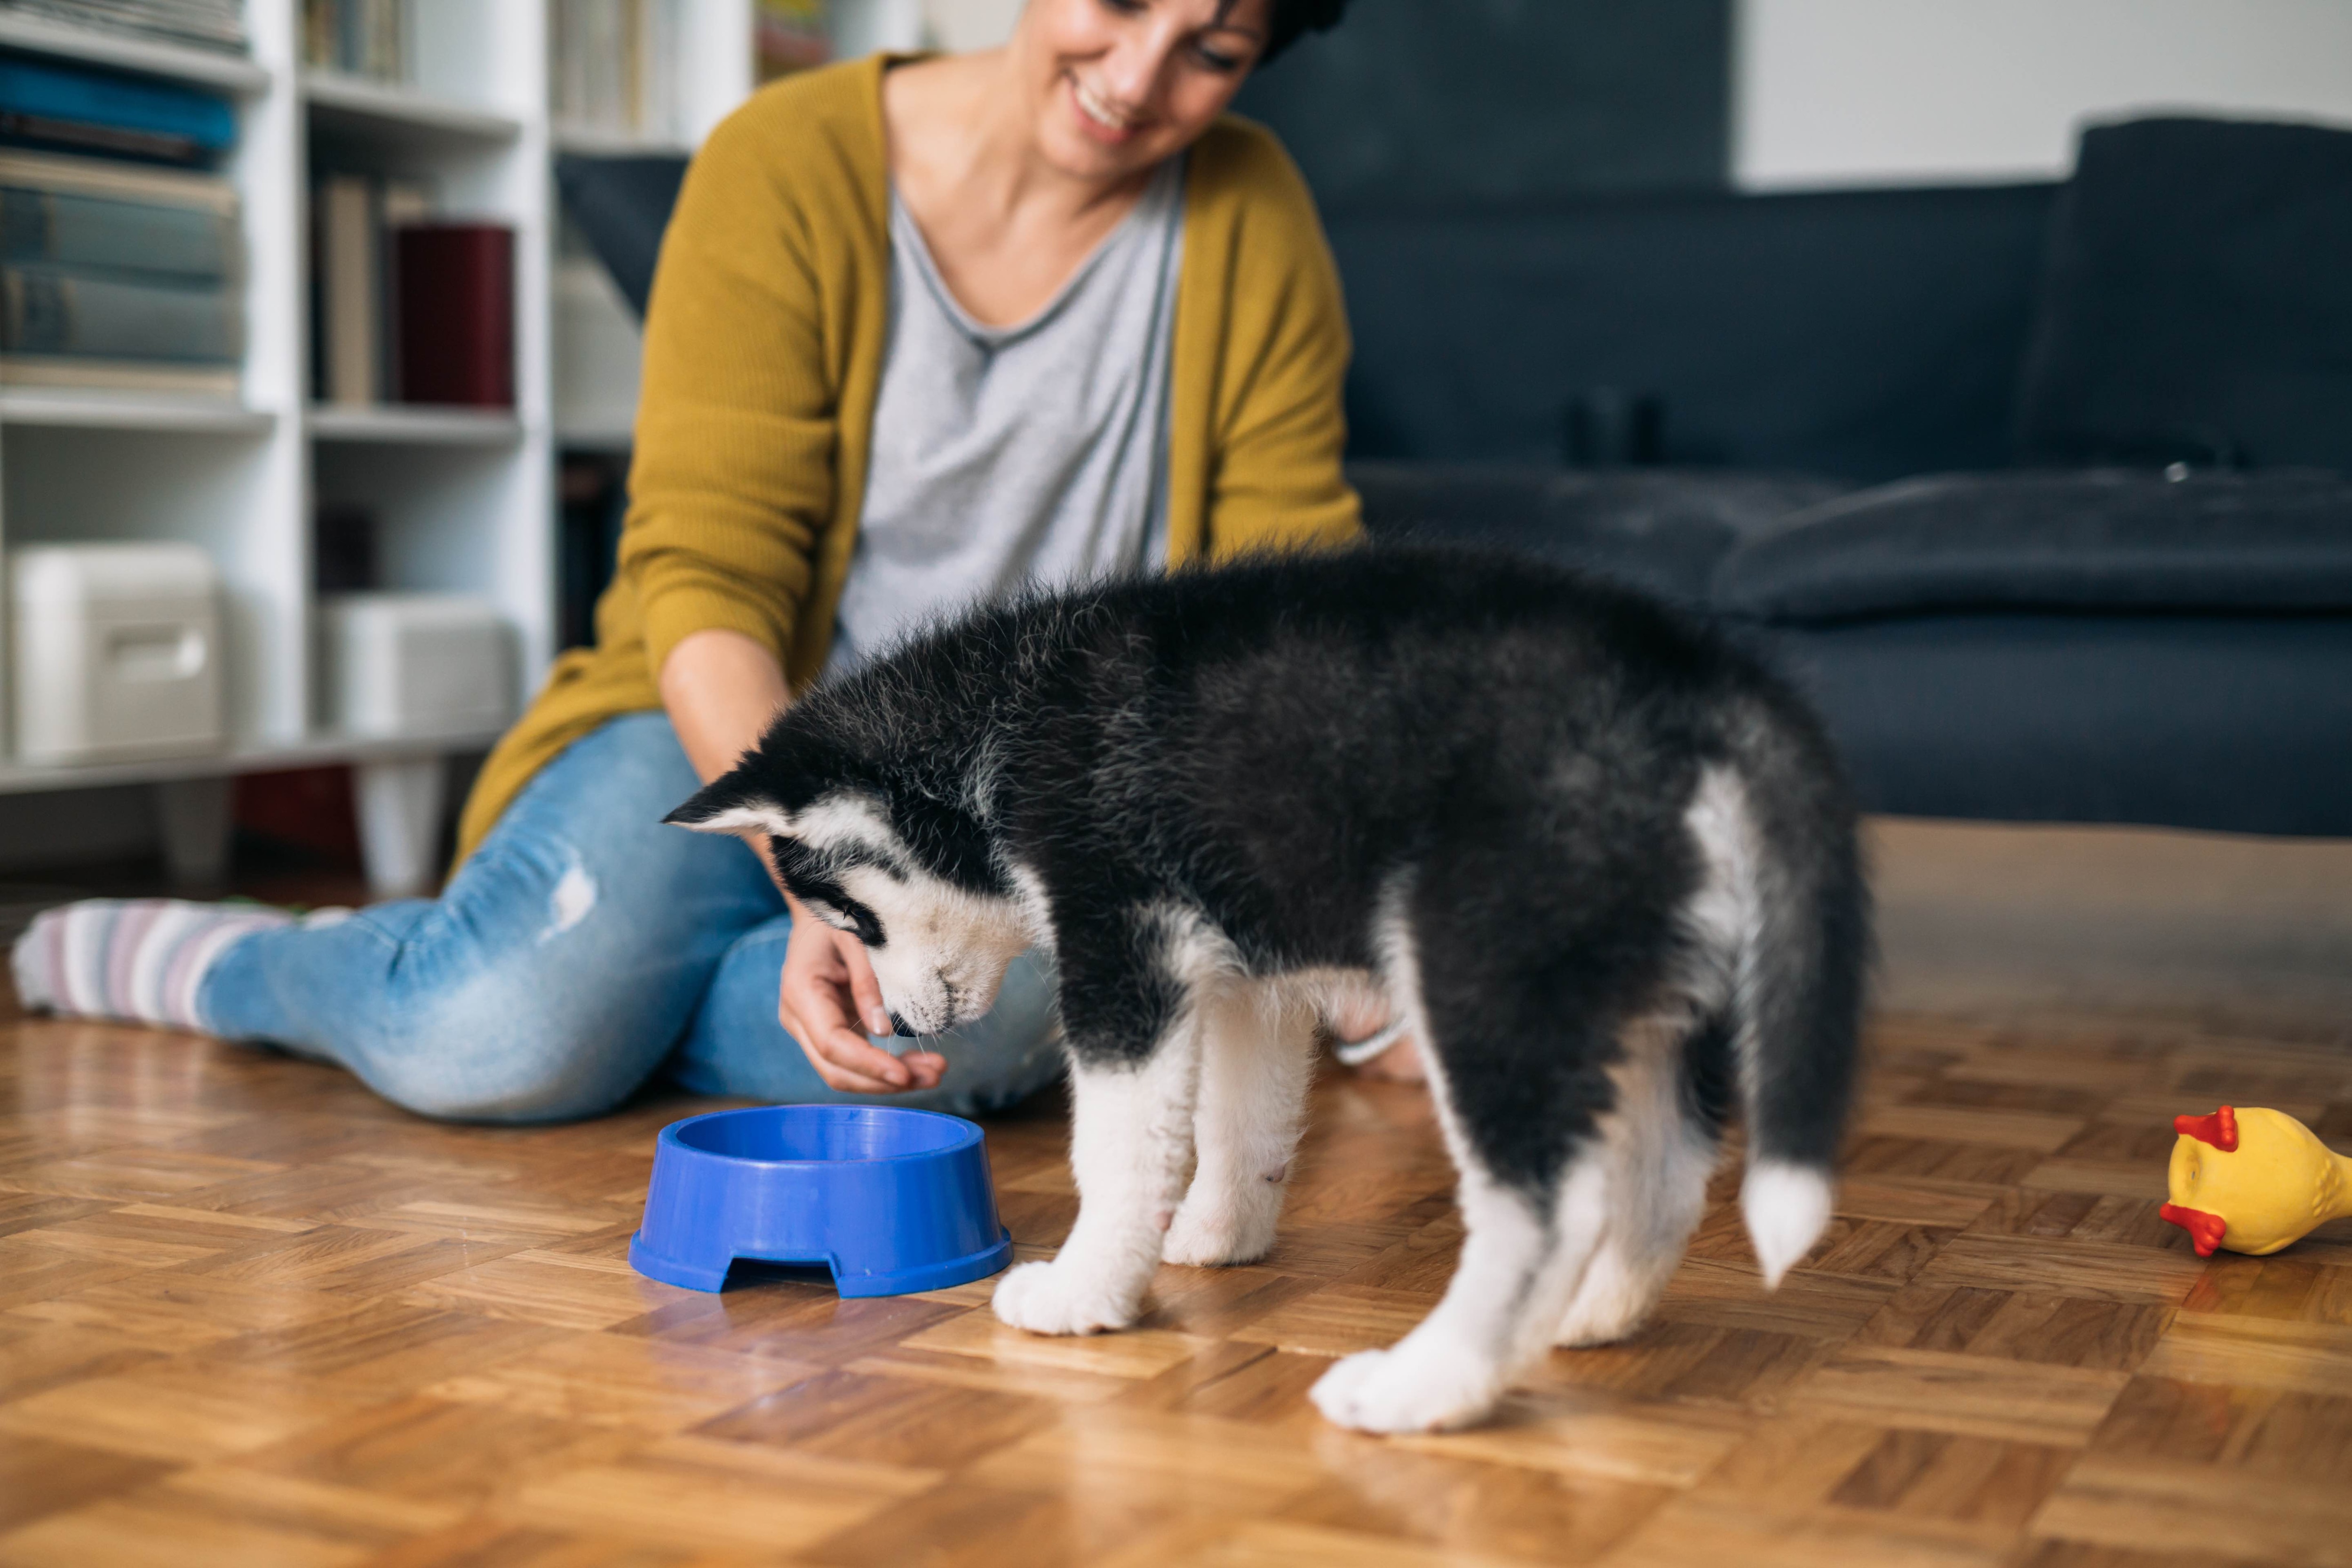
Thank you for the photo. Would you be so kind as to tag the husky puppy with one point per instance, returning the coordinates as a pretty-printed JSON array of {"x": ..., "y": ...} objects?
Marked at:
[{"x": 1600, "y": 862}]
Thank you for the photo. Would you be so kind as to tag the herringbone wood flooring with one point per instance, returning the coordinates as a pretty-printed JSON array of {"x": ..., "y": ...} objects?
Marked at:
[{"x": 249, "y": 1314}]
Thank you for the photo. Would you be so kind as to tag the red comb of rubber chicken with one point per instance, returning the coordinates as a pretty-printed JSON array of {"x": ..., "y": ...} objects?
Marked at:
[{"x": 2253, "y": 1181}]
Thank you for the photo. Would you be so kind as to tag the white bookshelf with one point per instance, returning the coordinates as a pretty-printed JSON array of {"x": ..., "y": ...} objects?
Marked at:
[{"x": 464, "y": 498}]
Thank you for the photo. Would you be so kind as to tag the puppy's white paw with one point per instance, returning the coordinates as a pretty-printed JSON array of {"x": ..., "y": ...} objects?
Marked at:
[
  {"x": 1053, "y": 1298},
  {"x": 1408, "y": 1389},
  {"x": 1209, "y": 1237}
]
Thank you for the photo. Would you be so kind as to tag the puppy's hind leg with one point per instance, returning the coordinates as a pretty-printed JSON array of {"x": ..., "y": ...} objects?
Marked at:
[
  {"x": 1533, "y": 1195},
  {"x": 1659, "y": 1143},
  {"x": 1257, "y": 1055}
]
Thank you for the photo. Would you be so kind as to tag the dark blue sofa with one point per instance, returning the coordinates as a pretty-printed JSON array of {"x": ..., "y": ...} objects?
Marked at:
[{"x": 2039, "y": 490}]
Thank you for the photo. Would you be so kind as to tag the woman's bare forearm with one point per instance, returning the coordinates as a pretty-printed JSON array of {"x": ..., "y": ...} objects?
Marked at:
[{"x": 722, "y": 690}]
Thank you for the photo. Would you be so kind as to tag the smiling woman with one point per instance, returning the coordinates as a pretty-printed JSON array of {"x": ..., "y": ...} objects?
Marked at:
[{"x": 924, "y": 331}]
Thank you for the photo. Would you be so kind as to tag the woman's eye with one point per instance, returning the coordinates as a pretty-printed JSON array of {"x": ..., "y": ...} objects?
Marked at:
[{"x": 1216, "y": 59}]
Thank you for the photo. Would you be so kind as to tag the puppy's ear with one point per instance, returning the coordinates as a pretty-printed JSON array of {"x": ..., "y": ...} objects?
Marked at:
[{"x": 729, "y": 805}]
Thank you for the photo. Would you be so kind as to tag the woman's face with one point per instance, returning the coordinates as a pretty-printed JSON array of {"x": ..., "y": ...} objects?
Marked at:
[{"x": 1119, "y": 85}]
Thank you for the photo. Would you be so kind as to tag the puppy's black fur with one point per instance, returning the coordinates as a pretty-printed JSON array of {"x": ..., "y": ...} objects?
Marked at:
[{"x": 1271, "y": 744}]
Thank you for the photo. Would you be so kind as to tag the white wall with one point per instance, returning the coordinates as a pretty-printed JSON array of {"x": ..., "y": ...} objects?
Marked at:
[{"x": 1829, "y": 92}]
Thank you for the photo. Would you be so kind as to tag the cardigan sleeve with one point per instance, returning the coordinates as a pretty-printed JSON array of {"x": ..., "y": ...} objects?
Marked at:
[
  {"x": 1276, "y": 479},
  {"x": 734, "y": 472}
]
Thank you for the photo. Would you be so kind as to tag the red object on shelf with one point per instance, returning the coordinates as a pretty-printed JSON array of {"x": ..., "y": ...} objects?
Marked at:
[
  {"x": 456, "y": 314},
  {"x": 2219, "y": 1129},
  {"x": 2205, "y": 1229}
]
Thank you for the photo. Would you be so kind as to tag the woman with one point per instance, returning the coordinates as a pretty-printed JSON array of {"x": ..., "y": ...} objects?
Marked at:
[{"x": 922, "y": 331}]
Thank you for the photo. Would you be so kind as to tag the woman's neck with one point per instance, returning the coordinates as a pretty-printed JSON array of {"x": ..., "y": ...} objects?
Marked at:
[{"x": 1005, "y": 228}]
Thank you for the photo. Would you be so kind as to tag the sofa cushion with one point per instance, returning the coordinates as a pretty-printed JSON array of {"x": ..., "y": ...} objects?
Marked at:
[
  {"x": 2087, "y": 540},
  {"x": 2195, "y": 304},
  {"x": 1658, "y": 530}
]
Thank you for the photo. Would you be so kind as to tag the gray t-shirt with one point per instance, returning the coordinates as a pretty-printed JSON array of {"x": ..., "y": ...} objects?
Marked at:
[{"x": 1006, "y": 456}]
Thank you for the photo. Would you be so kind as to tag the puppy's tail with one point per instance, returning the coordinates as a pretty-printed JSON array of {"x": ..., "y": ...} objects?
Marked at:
[{"x": 1792, "y": 917}]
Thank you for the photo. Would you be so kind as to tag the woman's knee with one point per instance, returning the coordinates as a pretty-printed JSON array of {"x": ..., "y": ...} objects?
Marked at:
[{"x": 470, "y": 1056}]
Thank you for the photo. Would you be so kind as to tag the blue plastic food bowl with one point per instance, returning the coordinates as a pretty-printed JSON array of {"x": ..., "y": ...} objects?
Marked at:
[{"x": 890, "y": 1200}]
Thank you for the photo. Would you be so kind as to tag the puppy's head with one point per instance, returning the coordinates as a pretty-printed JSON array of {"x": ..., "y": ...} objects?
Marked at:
[{"x": 873, "y": 848}]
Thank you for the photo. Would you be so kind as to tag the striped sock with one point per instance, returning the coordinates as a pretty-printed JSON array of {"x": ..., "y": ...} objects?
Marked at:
[{"x": 137, "y": 959}]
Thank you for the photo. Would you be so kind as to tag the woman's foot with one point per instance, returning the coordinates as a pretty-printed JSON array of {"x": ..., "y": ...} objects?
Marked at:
[
  {"x": 136, "y": 960},
  {"x": 1369, "y": 1040}
]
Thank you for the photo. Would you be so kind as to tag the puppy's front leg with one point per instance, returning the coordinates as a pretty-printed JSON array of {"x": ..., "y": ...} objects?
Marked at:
[{"x": 1130, "y": 1137}]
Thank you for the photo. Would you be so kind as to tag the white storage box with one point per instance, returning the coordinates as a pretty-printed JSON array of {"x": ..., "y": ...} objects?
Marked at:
[
  {"x": 405, "y": 664},
  {"x": 117, "y": 652}
]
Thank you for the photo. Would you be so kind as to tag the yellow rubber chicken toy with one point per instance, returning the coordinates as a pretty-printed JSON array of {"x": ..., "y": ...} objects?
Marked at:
[{"x": 2253, "y": 1181}]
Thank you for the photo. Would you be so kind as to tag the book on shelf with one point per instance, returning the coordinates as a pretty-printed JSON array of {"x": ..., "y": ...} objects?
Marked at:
[
  {"x": 361, "y": 38},
  {"x": 613, "y": 66},
  {"x": 354, "y": 298},
  {"x": 789, "y": 36},
  {"x": 200, "y": 23},
  {"x": 456, "y": 314},
  {"x": 52, "y": 311},
  {"x": 54, "y": 104},
  {"x": 88, "y": 212},
  {"x": 108, "y": 375}
]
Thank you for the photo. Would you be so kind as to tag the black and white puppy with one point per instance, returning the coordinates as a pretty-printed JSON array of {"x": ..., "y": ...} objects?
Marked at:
[{"x": 1601, "y": 862}]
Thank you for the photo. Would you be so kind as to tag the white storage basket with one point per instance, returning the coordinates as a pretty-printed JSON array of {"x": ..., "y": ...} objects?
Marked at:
[
  {"x": 408, "y": 664},
  {"x": 117, "y": 652}
]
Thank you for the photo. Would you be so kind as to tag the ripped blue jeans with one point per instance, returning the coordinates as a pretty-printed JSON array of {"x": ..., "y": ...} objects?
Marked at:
[{"x": 582, "y": 948}]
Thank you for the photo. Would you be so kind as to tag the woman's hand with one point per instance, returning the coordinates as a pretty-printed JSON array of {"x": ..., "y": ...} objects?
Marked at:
[{"x": 828, "y": 987}]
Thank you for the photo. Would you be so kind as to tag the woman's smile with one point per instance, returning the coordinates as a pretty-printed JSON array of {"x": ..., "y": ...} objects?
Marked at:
[{"x": 1098, "y": 118}]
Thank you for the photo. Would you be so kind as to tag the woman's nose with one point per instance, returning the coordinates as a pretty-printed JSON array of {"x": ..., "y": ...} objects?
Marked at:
[{"x": 1129, "y": 74}]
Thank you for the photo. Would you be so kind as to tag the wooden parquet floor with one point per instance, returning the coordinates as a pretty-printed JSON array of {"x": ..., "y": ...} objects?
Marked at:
[{"x": 250, "y": 1315}]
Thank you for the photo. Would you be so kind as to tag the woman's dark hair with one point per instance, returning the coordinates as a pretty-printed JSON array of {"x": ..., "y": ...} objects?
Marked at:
[{"x": 1292, "y": 17}]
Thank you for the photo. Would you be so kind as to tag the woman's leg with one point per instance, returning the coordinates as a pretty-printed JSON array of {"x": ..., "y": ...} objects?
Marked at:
[
  {"x": 549, "y": 978},
  {"x": 736, "y": 1046}
]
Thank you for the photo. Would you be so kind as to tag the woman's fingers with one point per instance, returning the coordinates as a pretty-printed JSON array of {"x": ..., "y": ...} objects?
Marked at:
[
  {"x": 840, "y": 1050},
  {"x": 863, "y": 986},
  {"x": 812, "y": 1003}
]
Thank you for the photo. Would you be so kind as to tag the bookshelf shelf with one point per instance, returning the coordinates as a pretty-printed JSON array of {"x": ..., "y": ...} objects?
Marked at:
[
  {"x": 19, "y": 778},
  {"x": 230, "y": 73},
  {"x": 401, "y": 424},
  {"x": 596, "y": 142},
  {"x": 132, "y": 411},
  {"x": 594, "y": 437},
  {"x": 354, "y": 105}
]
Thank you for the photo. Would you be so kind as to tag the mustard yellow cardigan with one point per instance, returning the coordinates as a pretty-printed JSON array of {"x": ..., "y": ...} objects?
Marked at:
[{"x": 764, "y": 352}]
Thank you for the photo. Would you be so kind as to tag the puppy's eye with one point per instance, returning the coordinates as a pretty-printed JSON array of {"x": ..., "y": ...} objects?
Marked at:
[
  {"x": 862, "y": 922},
  {"x": 853, "y": 917}
]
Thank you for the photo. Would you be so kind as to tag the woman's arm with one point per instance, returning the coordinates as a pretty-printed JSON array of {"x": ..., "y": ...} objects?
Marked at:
[{"x": 722, "y": 690}]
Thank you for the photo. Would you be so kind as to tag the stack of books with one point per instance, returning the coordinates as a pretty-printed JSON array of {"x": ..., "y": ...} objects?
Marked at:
[
  {"x": 363, "y": 37},
  {"x": 613, "y": 66},
  {"x": 119, "y": 277},
  {"x": 204, "y": 24},
  {"x": 406, "y": 307}
]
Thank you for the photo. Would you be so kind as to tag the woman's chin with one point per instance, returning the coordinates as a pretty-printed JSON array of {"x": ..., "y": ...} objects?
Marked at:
[{"x": 1081, "y": 157}]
